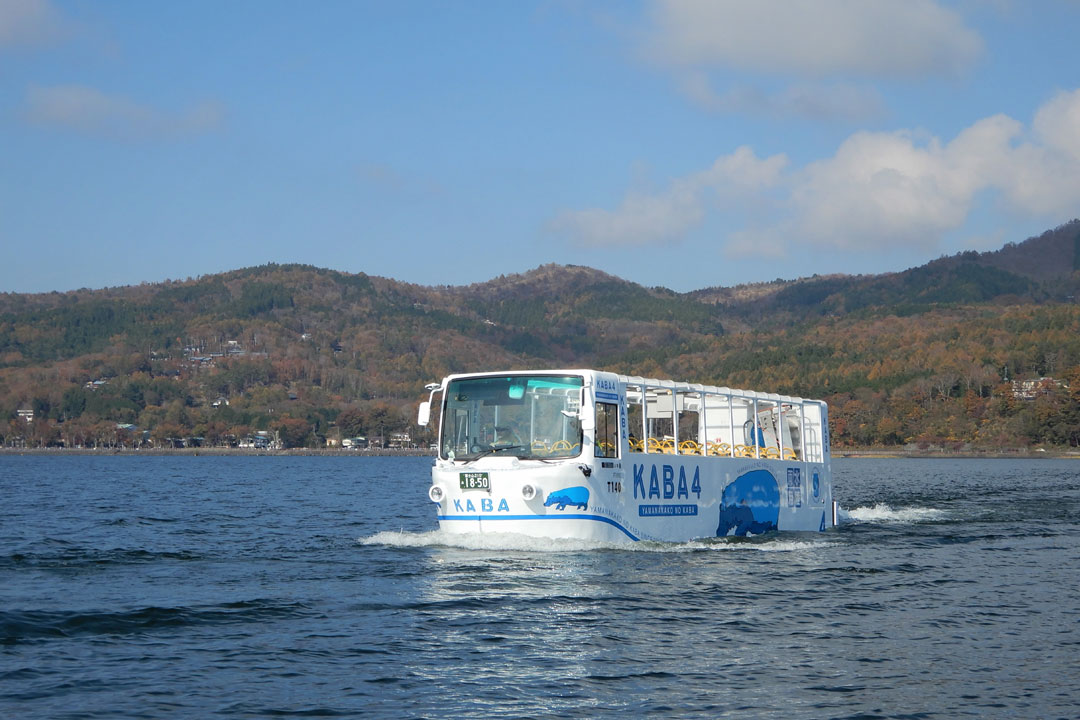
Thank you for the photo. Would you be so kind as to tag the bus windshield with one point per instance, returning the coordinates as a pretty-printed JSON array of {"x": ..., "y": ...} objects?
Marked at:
[{"x": 526, "y": 416}]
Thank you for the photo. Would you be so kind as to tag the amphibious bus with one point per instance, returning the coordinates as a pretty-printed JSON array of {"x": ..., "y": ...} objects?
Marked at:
[{"x": 614, "y": 458}]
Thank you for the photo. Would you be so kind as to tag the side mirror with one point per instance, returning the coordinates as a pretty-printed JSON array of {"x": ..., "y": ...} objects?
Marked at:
[{"x": 423, "y": 417}]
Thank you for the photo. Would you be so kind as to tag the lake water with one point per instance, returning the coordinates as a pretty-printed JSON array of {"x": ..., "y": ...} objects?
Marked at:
[{"x": 153, "y": 587}]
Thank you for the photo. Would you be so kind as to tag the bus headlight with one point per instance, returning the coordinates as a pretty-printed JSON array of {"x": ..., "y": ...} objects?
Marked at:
[
  {"x": 528, "y": 492},
  {"x": 436, "y": 493}
]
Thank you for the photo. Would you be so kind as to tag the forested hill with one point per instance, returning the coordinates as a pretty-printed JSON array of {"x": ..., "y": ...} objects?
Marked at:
[
  {"x": 923, "y": 356},
  {"x": 1039, "y": 270}
]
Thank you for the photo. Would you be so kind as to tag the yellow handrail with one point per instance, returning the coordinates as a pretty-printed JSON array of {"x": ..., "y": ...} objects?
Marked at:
[
  {"x": 721, "y": 449},
  {"x": 690, "y": 447}
]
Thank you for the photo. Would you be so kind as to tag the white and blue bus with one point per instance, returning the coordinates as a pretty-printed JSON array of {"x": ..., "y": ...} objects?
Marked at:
[{"x": 596, "y": 455}]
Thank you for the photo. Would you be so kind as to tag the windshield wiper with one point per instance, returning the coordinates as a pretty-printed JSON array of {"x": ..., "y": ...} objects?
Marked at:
[{"x": 494, "y": 449}]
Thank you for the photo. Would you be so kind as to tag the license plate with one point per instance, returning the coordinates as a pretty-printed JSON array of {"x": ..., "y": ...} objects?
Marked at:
[{"x": 475, "y": 481}]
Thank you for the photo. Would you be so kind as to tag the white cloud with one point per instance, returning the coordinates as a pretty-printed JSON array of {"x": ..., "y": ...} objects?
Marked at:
[
  {"x": 640, "y": 220},
  {"x": 814, "y": 37},
  {"x": 743, "y": 171},
  {"x": 828, "y": 50},
  {"x": 94, "y": 112},
  {"x": 878, "y": 186},
  {"x": 878, "y": 191},
  {"x": 824, "y": 102},
  {"x": 885, "y": 187},
  {"x": 28, "y": 22},
  {"x": 1057, "y": 123},
  {"x": 644, "y": 219}
]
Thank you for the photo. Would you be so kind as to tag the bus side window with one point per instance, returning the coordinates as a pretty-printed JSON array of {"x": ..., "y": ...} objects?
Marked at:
[
  {"x": 660, "y": 412},
  {"x": 606, "y": 444},
  {"x": 635, "y": 418}
]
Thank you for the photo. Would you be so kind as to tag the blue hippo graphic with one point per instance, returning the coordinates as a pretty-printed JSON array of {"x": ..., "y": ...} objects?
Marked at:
[
  {"x": 568, "y": 496},
  {"x": 750, "y": 505}
]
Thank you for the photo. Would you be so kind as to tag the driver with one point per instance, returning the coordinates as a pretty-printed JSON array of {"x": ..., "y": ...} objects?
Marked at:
[{"x": 507, "y": 435}]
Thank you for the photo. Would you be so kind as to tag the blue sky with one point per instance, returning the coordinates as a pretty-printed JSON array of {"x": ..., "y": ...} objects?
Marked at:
[{"x": 674, "y": 143}]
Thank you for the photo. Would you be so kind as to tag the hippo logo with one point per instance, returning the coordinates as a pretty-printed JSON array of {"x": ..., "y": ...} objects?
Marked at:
[
  {"x": 578, "y": 496},
  {"x": 750, "y": 505}
]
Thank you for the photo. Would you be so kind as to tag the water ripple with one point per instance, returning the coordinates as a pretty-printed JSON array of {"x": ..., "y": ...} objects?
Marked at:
[
  {"x": 262, "y": 587},
  {"x": 22, "y": 626}
]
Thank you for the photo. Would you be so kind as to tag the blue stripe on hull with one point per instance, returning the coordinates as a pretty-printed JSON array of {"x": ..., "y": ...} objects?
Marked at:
[{"x": 598, "y": 518}]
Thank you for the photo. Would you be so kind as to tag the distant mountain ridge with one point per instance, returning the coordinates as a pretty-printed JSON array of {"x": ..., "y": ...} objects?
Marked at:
[
  {"x": 1046, "y": 265},
  {"x": 1040, "y": 269},
  {"x": 327, "y": 341}
]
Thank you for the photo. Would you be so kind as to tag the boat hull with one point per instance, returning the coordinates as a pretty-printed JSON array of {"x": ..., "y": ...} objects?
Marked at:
[{"x": 668, "y": 498}]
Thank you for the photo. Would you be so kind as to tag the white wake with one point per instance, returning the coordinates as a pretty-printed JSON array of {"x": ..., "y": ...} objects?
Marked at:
[
  {"x": 511, "y": 542},
  {"x": 883, "y": 513}
]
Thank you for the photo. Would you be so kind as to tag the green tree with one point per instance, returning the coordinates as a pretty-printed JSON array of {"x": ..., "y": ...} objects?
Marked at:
[
  {"x": 351, "y": 421},
  {"x": 73, "y": 403}
]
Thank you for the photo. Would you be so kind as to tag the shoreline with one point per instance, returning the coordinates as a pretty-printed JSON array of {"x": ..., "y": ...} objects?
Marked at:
[
  {"x": 847, "y": 453},
  {"x": 218, "y": 452},
  {"x": 1004, "y": 454}
]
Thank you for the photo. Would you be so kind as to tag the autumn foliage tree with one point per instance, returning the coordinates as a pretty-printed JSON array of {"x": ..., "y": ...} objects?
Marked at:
[{"x": 926, "y": 356}]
